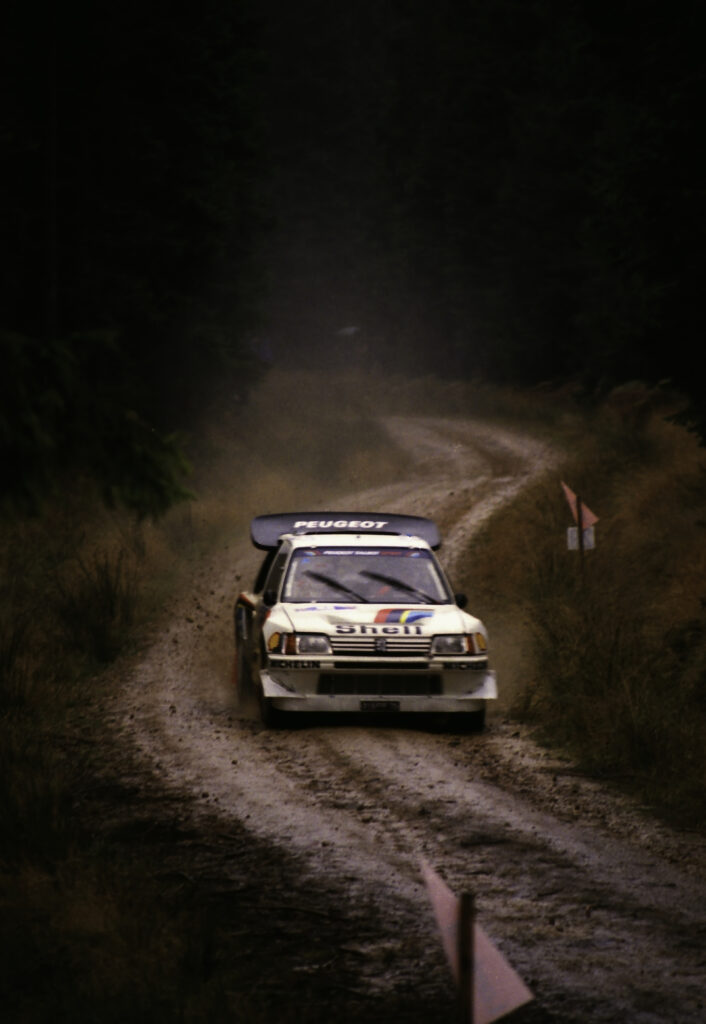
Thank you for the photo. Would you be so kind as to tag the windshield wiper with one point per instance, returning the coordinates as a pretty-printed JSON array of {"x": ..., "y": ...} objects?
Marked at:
[
  {"x": 331, "y": 582},
  {"x": 400, "y": 584}
]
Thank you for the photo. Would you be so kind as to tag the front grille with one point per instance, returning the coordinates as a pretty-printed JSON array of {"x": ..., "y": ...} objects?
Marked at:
[
  {"x": 376, "y": 684},
  {"x": 416, "y": 646}
]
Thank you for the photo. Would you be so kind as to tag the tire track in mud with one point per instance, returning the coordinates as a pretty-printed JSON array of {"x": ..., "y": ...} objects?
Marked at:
[
  {"x": 584, "y": 888},
  {"x": 600, "y": 909},
  {"x": 603, "y": 918}
]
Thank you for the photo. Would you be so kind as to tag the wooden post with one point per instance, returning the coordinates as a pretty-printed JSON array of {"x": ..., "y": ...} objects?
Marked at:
[{"x": 466, "y": 926}]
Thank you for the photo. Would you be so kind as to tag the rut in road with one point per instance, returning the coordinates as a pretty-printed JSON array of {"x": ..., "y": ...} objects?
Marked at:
[{"x": 594, "y": 905}]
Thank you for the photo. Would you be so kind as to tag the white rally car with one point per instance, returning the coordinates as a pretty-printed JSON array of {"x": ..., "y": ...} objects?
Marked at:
[{"x": 351, "y": 612}]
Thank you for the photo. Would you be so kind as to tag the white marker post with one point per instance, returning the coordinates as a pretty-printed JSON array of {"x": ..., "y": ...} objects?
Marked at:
[{"x": 581, "y": 537}]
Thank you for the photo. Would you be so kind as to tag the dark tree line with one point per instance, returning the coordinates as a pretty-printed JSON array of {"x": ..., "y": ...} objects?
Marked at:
[
  {"x": 512, "y": 188},
  {"x": 131, "y": 213},
  {"x": 506, "y": 187}
]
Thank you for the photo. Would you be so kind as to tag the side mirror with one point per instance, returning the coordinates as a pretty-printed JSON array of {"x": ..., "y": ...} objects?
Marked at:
[
  {"x": 461, "y": 600},
  {"x": 269, "y": 598}
]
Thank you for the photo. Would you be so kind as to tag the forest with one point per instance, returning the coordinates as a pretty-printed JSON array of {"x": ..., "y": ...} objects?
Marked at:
[
  {"x": 494, "y": 189},
  {"x": 234, "y": 233}
]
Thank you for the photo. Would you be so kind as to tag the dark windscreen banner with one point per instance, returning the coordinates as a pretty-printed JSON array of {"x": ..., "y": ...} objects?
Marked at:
[{"x": 266, "y": 531}]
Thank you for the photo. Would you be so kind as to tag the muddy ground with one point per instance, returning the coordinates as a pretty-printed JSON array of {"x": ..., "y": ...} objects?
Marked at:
[{"x": 303, "y": 846}]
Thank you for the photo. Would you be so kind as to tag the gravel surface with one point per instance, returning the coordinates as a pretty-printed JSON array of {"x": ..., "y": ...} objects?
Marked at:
[{"x": 317, "y": 832}]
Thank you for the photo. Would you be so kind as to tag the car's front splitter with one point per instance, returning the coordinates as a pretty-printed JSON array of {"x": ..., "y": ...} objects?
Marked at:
[{"x": 280, "y": 697}]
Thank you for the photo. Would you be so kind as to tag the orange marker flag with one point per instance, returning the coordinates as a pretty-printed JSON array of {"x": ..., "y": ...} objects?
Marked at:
[
  {"x": 497, "y": 988},
  {"x": 587, "y": 517}
]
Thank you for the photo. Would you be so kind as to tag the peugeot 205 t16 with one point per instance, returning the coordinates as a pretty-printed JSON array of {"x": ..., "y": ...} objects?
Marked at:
[{"x": 351, "y": 612}]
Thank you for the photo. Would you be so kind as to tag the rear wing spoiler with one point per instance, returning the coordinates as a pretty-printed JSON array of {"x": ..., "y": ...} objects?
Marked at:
[{"x": 266, "y": 531}]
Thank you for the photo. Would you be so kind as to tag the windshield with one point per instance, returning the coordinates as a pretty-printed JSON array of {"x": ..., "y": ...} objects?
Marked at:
[{"x": 364, "y": 575}]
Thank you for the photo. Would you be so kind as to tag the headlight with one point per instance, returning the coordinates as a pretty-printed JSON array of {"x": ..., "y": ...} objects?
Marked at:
[
  {"x": 449, "y": 645},
  {"x": 459, "y": 643},
  {"x": 298, "y": 643},
  {"x": 312, "y": 643}
]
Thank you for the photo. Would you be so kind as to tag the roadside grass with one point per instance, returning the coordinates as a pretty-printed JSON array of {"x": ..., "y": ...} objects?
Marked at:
[
  {"x": 87, "y": 933},
  {"x": 101, "y": 941},
  {"x": 95, "y": 605},
  {"x": 613, "y": 659}
]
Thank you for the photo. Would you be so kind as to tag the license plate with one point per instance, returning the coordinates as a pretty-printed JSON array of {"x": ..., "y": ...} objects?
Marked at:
[{"x": 379, "y": 705}]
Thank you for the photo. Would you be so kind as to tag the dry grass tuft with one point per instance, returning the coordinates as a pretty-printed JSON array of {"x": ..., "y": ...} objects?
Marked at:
[
  {"x": 86, "y": 934},
  {"x": 95, "y": 602}
]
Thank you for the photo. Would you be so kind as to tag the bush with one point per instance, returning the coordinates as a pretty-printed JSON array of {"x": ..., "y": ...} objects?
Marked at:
[{"x": 615, "y": 665}]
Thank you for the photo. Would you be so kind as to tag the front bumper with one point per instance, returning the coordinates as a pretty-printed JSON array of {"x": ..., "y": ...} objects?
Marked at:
[{"x": 421, "y": 692}]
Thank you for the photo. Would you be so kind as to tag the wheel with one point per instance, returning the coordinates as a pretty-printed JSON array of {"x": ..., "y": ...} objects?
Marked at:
[
  {"x": 463, "y": 721},
  {"x": 243, "y": 673},
  {"x": 475, "y": 720},
  {"x": 272, "y": 717}
]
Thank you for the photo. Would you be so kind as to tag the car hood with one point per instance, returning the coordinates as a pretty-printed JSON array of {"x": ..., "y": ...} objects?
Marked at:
[{"x": 421, "y": 620}]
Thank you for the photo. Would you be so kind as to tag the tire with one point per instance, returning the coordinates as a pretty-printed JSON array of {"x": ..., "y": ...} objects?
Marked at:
[
  {"x": 462, "y": 721},
  {"x": 475, "y": 720},
  {"x": 271, "y": 717},
  {"x": 243, "y": 673}
]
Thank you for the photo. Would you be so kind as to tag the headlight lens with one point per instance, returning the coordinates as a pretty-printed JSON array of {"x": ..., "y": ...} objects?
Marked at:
[
  {"x": 298, "y": 643},
  {"x": 459, "y": 643},
  {"x": 449, "y": 645},
  {"x": 313, "y": 643}
]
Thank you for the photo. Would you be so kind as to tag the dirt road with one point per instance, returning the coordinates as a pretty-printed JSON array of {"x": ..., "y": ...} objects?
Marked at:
[{"x": 600, "y": 909}]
